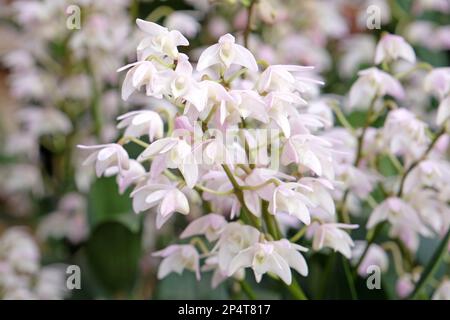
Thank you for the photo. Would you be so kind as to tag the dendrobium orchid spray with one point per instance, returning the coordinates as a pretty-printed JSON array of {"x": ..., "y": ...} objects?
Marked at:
[
  {"x": 225, "y": 92},
  {"x": 224, "y": 106},
  {"x": 244, "y": 159}
]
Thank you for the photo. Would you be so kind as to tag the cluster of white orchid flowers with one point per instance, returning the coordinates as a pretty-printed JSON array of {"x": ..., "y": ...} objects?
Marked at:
[
  {"x": 250, "y": 205},
  {"x": 191, "y": 160},
  {"x": 416, "y": 198},
  {"x": 265, "y": 169}
]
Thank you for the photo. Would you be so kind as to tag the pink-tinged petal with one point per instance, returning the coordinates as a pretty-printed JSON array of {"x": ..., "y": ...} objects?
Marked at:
[
  {"x": 168, "y": 204},
  {"x": 223, "y": 112},
  {"x": 159, "y": 164},
  {"x": 94, "y": 147},
  {"x": 100, "y": 167},
  {"x": 151, "y": 28},
  {"x": 408, "y": 54},
  {"x": 302, "y": 213},
  {"x": 379, "y": 54},
  {"x": 438, "y": 82},
  {"x": 265, "y": 80},
  {"x": 280, "y": 267},
  {"x": 294, "y": 68},
  {"x": 140, "y": 73},
  {"x": 189, "y": 170},
  {"x": 227, "y": 38},
  {"x": 310, "y": 160},
  {"x": 289, "y": 154},
  {"x": 90, "y": 159},
  {"x": 346, "y": 226},
  {"x": 200, "y": 225},
  {"x": 209, "y": 57},
  {"x": 197, "y": 97},
  {"x": 154, "y": 197},
  {"x": 394, "y": 87},
  {"x": 252, "y": 202},
  {"x": 161, "y": 220},
  {"x": 393, "y": 47},
  {"x": 217, "y": 278},
  {"x": 360, "y": 91},
  {"x": 128, "y": 66},
  {"x": 182, "y": 122},
  {"x": 181, "y": 202},
  {"x": 167, "y": 251},
  {"x": 183, "y": 66},
  {"x": 159, "y": 146},
  {"x": 298, "y": 262},
  {"x": 327, "y": 202},
  {"x": 282, "y": 121},
  {"x": 170, "y": 264},
  {"x": 379, "y": 214},
  {"x": 122, "y": 158},
  {"x": 156, "y": 128},
  {"x": 127, "y": 85},
  {"x": 142, "y": 117},
  {"x": 235, "y": 208},
  {"x": 144, "y": 44},
  {"x": 273, "y": 204},
  {"x": 179, "y": 39},
  {"x": 443, "y": 112},
  {"x": 245, "y": 58},
  {"x": 243, "y": 259},
  {"x": 319, "y": 238},
  {"x": 139, "y": 196},
  {"x": 394, "y": 204}
]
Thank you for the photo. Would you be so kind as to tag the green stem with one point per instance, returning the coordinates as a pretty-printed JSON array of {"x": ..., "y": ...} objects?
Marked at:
[
  {"x": 326, "y": 275},
  {"x": 200, "y": 244},
  {"x": 396, "y": 163},
  {"x": 432, "y": 266},
  {"x": 341, "y": 117},
  {"x": 234, "y": 76},
  {"x": 158, "y": 13},
  {"x": 271, "y": 222},
  {"x": 215, "y": 192},
  {"x": 259, "y": 186},
  {"x": 419, "y": 66},
  {"x": 298, "y": 235},
  {"x": 134, "y": 10},
  {"x": 254, "y": 221},
  {"x": 248, "y": 290},
  {"x": 137, "y": 141},
  {"x": 349, "y": 277},
  {"x": 296, "y": 291}
]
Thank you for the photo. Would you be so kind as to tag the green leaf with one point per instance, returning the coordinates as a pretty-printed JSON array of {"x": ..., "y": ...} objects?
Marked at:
[
  {"x": 432, "y": 266},
  {"x": 113, "y": 253},
  {"x": 386, "y": 167},
  {"x": 105, "y": 203}
]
